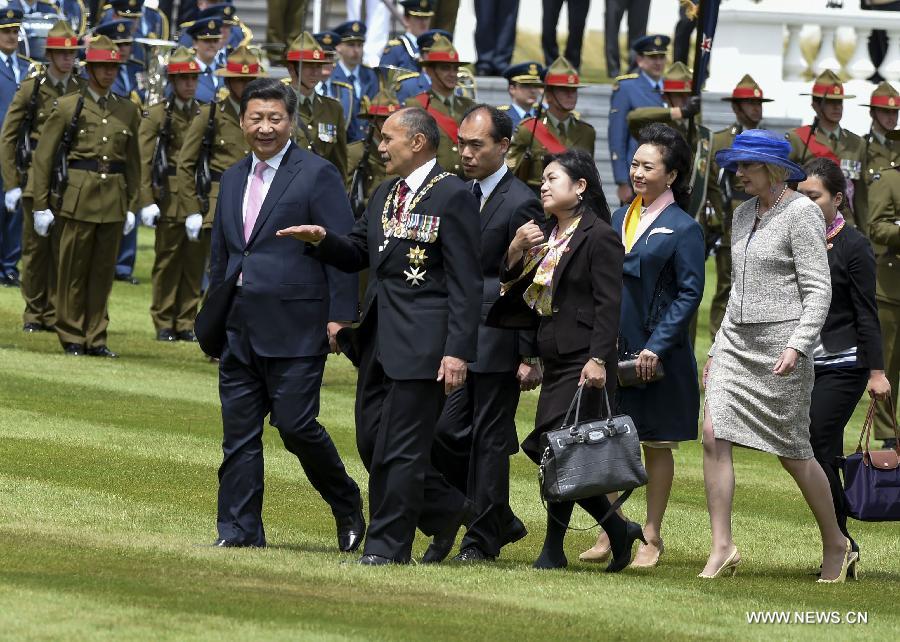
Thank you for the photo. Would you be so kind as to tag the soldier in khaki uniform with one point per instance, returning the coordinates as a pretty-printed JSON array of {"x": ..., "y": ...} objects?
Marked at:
[
  {"x": 680, "y": 104},
  {"x": 441, "y": 62},
  {"x": 555, "y": 130},
  {"x": 320, "y": 127},
  {"x": 746, "y": 101},
  {"x": 832, "y": 141},
  {"x": 884, "y": 232},
  {"x": 880, "y": 152},
  {"x": 374, "y": 172},
  {"x": 228, "y": 144},
  {"x": 179, "y": 262},
  {"x": 104, "y": 181},
  {"x": 38, "y": 253}
]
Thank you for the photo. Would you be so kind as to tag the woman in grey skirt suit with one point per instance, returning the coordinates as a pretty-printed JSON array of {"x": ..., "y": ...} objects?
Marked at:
[{"x": 759, "y": 376}]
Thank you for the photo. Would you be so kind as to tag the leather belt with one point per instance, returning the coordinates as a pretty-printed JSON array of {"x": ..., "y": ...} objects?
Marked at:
[
  {"x": 215, "y": 176},
  {"x": 171, "y": 171},
  {"x": 101, "y": 167}
]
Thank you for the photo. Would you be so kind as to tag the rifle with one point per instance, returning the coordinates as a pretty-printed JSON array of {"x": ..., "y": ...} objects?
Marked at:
[
  {"x": 202, "y": 174},
  {"x": 59, "y": 177},
  {"x": 159, "y": 168},
  {"x": 23, "y": 140},
  {"x": 523, "y": 169},
  {"x": 357, "y": 191}
]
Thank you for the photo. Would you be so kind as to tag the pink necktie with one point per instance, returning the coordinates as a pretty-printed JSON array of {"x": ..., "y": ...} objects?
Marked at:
[{"x": 254, "y": 199}]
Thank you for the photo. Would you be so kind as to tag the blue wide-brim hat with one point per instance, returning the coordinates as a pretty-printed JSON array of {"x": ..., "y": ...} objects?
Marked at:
[{"x": 760, "y": 146}]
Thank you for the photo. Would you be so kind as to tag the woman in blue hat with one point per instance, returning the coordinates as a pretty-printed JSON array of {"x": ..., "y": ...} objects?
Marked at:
[{"x": 759, "y": 376}]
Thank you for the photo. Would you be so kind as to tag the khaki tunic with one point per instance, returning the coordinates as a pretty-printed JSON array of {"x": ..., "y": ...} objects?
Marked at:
[
  {"x": 448, "y": 152},
  {"x": 324, "y": 133},
  {"x": 879, "y": 157},
  {"x": 375, "y": 172},
  {"x": 579, "y": 135}
]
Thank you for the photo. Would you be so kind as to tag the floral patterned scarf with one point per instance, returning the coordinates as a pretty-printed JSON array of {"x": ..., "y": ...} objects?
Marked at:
[{"x": 546, "y": 257}]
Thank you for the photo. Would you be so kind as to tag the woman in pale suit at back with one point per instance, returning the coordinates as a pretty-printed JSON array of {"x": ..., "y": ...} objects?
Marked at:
[{"x": 759, "y": 376}]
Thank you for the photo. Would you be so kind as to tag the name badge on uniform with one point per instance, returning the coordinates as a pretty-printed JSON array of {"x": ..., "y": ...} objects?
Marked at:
[
  {"x": 852, "y": 168},
  {"x": 327, "y": 132}
]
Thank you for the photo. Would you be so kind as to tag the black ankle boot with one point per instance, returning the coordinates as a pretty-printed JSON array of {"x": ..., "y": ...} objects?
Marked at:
[
  {"x": 552, "y": 555},
  {"x": 621, "y": 547}
]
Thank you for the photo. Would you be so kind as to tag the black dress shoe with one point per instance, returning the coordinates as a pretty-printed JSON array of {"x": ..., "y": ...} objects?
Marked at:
[
  {"x": 73, "y": 349},
  {"x": 351, "y": 529},
  {"x": 227, "y": 543},
  {"x": 186, "y": 335},
  {"x": 32, "y": 327},
  {"x": 515, "y": 530},
  {"x": 473, "y": 554},
  {"x": 127, "y": 278},
  {"x": 622, "y": 550},
  {"x": 443, "y": 542},
  {"x": 165, "y": 335},
  {"x": 374, "y": 560},
  {"x": 102, "y": 351},
  {"x": 12, "y": 281}
]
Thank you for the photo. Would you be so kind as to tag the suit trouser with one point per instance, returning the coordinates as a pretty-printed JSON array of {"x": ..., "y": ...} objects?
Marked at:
[
  {"x": 578, "y": 10},
  {"x": 84, "y": 278},
  {"x": 40, "y": 255},
  {"x": 889, "y": 319},
  {"x": 286, "y": 389},
  {"x": 834, "y": 397},
  {"x": 395, "y": 424},
  {"x": 719, "y": 301},
  {"x": 127, "y": 253},
  {"x": 495, "y": 33},
  {"x": 478, "y": 426},
  {"x": 638, "y": 13},
  {"x": 178, "y": 269}
]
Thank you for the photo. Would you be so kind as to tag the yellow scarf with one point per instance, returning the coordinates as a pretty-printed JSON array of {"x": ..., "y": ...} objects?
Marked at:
[{"x": 632, "y": 219}]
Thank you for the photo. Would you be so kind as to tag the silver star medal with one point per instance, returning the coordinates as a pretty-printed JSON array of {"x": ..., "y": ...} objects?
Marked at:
[{"x": 414, "y": 277}]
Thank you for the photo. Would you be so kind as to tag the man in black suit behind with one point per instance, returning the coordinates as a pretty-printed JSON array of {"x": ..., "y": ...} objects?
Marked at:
[
  {"x": 419, "y": 237},
  {"x": 477, "y": 431},
  {"x": 286, "y": 308}
]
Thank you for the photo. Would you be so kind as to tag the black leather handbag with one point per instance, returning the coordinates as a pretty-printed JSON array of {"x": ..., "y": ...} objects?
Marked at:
[{"x": 591, "y": 458}]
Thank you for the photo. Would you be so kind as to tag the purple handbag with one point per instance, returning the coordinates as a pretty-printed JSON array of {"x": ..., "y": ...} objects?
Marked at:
[{"x": 872, "y": 477}]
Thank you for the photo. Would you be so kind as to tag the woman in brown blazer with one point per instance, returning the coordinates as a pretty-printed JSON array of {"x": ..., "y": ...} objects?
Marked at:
[{"x": 573, "y": 283}]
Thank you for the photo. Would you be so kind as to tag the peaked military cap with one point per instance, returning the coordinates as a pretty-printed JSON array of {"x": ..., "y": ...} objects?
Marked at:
[
  {"x": 678, "y": 79},
  {"x": 119, "y": 31},
  {"x": 440, "y": 51},
  {"x": 307, "y": 49},
  {"x": 62, "y": 37},
  {"x": 242, "y": 63},
  {"x": 747, "y": 89},
  {"x": 223, "y": 11},
  {"x": 562, "y": 74},
  {"x": 419, "y": 8},
  {"x": 10, "y": 18},
  {"x": 130, "y": 8},
  {"x": 427, "y": 39},
  {"x": 328, "y": 39},
  {"x": 526, "y": 73},
  {"x": 383, "y": 104},
  {"x": 102, "y": 50},
  {"x": 828, "y": 85},
  {"x": 351, "y": 30},
  {"x": 209, "y": 29},
  {"x": 182, "y": 61},
  {"x": 884, "y": 97},
  {"x": 652, "y": 45}
]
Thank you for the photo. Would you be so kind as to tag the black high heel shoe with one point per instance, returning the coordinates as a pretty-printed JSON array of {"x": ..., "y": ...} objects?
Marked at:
[{"x": 622, "y": 550}]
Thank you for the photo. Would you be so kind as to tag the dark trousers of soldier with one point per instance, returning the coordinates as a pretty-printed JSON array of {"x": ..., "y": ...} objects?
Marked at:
[
  {"x": 577, "y": 10},
  {"x": 889, "y": 319},
  {"x": 681, "y": 45},
  {"x": 834, "y": 398},
  {"x": 638, "y": 14},
  {"x": 495, "y": 34},
  {"x": 177, "y": 276},
  {"x": 723, "y": 289},
  {"x": 10, "y": 241},
  {"x": 473, "y": 442},
  {"x": 285, "y": 23},
  {"x": 87, "y": 267},
  {"x": 127, "y": 253},
  {"x": 39, "y": 260},
  {"x": 395, "y": 425},
  {"x": 445, "y": 15}
]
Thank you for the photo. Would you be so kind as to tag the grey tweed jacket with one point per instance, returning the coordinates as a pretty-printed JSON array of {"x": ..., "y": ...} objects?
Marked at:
[{"x": 781, "y": 273}]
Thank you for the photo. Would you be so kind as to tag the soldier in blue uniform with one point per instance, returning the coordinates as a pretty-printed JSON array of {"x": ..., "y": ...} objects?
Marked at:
[
  {"x": 525, "y": 86},
  {"x": 28, "y": 9},
  {"x": 403, "y": 51},
  {"x": 205, "y": 37},
  {"x": 235, "y": 32},
  {"x": 414, "y": 83},
  {"x": 349, "y": 69},
  {"x": 642, "y": 89},
  {"x": 13, "y": 70},
  {"x": 337, "y": 89},
  {"x": 148, "y": 23},
  {"x": 75, "y": 13}
]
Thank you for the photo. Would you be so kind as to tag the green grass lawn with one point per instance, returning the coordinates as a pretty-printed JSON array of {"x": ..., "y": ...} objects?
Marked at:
[{"x": 107, "y": 507}]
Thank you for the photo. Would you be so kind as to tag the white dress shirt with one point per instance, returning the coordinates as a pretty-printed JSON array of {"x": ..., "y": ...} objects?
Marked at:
[
  {"x": 268, "y": 176},
  {"x": 489, "y": 184},
  {"x": 357, "y": 85},
  {"x": 415, "y": 180}
]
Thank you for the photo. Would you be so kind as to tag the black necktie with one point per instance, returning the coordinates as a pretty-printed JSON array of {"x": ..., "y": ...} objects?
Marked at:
[
  {"x": 476, "y": 190},
  {"x": 102, "y": 103}
]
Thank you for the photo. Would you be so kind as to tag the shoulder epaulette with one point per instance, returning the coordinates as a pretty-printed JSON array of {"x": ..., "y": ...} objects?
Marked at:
[
  {"x": 504, "y": 107},
  {"x": 341, "y": 83},
  {"x": 408, "y": 75},
  {"x": 332, "y": 99},
  {"x": 286, "y": 80},
  {"x": 393, "y": 42},
  {"x": 222, "y": 94},
  {"x": 626, "y": 77}
]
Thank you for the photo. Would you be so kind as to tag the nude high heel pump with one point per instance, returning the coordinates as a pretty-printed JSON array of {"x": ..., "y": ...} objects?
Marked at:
[
  {"x": 845, "y": 565},
  {"x": 728, "y": 566}
]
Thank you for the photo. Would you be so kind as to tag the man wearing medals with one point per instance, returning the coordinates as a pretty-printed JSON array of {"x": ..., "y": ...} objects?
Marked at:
[
  {"x": 825, "y": 138},
  {"x": 420, "y": 239}
]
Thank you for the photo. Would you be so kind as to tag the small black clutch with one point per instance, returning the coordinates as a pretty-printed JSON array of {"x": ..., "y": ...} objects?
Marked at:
[{"x": 627, "y": 374}]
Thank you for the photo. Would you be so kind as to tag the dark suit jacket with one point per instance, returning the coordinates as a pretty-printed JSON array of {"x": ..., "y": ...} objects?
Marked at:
[
  {"x": 587, "y": 294},
  {"x": 853, "y": 316},
  {"x": 290, "y": 296},
  {"x": 417, "y": 325},
  {"x": 509, "y": 207}
]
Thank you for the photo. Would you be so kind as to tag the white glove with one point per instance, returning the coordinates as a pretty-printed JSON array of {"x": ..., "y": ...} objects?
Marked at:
[
  {"x": 43, "y": 219},
  {"x": 12, "y": 198},
  {"x": 150, "y": 214},
  {"x": 130, "y": 222},
  {"x": 192, "y": 225}
]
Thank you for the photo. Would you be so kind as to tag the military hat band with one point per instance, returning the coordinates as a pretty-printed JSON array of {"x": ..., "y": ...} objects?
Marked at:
[
  {"x": 828, "y": 91},
  {"x": 885, "y": 101},
  {"x": 526, "y": 79},
  {"x": 183, "y": 67},
  {"x": 62, "y": 43},
  {"x": 746, "y": 93},
  {"x": 562, "y": 80},
  {"x": 103, "y": 55},
  {"x": 676, "y": 85},
  {"x": 310, "y": 55},
  {"x": 441, "y": 56},
  {"x": 239, "y": 68},
  {"x": 382, "y": 110}
]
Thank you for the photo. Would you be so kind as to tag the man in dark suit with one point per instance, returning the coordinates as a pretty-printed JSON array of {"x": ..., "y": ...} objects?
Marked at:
[
  {"x": 479, "y": 420},
  {"x": 419, "y": 237},
  {"x": 286, "y": 310}
]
